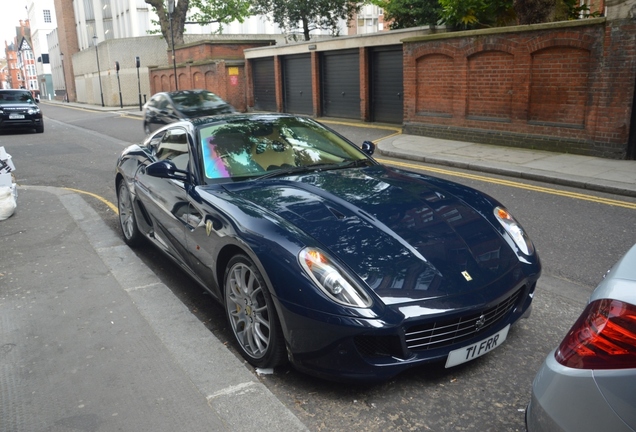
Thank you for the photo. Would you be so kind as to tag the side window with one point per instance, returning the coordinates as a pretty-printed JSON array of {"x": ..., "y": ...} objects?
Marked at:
[
  {"x": 155, "y": 140},
  {"x": 174, "y": 147}
]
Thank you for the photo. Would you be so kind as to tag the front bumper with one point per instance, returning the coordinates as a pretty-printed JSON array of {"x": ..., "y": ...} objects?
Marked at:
[
  {"x": 29, "y": 122},
  {"x": 355, "y": 349}
]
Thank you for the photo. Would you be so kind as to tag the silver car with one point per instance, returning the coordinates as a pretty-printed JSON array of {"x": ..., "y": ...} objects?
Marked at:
[{"x": 589, "y": 382}]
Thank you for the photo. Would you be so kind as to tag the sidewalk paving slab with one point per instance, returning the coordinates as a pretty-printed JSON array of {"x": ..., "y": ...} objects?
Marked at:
[
  {"x": 91, "y": 339},
  {"x": 585, "y": 172}
]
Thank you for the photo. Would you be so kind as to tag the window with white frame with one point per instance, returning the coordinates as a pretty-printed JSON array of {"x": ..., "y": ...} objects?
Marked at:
[{"x": 47, "y": 15}]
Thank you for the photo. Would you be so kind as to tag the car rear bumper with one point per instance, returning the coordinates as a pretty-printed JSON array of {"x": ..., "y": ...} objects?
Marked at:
[{"x": 566, "y": 399}]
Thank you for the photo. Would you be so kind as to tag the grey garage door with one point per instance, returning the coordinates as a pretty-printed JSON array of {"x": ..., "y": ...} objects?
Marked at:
[
  {"x": 387, "y": 85},
  {"x": 297, "y": 84},
  {"x": 264, "y": 84},
  {"x": 340, "y": 73}
]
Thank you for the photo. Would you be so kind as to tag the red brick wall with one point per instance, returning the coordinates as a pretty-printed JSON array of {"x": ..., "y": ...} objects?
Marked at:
[
  {"x": 565, "y": 88},
  {"x": 435, "y": 84},
  {"x": 490, "y": 79},
  {"x": 316, "y": 91},
  {"x": 559, "y": 79},
  {"x": 365, "y": 85},
  {"x": 215, "y": 66}
]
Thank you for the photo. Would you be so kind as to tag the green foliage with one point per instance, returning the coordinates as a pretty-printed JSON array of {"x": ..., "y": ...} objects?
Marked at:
[
  {"x": 534, "y": 11},
  {"x": 205, "y": 12},
  {"x": 410, "y": 13},
  {"x": 572, "y": 9},
  {"x": 310, "y": 14},
  {"x": 219, "y": 11},
  {"x": 468, "y": 14}
]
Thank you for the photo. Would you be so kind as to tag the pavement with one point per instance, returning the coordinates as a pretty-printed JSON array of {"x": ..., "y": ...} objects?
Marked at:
[{"x": 92, "y": 340}]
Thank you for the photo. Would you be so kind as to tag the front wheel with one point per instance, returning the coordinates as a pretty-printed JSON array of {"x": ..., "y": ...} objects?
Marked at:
[
  {"x": 127, "y": 220},
  {"x": 252, "y": 316},
  {"x": 146, "y": 128}
]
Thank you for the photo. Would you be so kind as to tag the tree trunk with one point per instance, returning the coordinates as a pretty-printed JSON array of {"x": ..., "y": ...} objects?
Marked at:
[
  {"x": 306, "y": 28},
  {"x": 178, "y": 20}
]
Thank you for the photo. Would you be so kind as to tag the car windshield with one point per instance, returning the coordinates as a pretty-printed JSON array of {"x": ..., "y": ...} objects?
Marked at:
[
  {"x": 8, "y": 97},
  {"x": 200, "y": 103},
  {"x": 268, "y": 146}
]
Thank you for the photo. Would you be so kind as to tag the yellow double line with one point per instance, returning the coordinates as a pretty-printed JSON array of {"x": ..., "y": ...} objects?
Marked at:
[{"x": 573, "y": 195}]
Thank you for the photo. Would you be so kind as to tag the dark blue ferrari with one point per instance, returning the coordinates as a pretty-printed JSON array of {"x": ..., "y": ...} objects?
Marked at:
[{"x": 320, "y": 255}]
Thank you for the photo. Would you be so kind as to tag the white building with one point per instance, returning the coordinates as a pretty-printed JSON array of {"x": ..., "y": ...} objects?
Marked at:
[
  {"x": 116, "y": 19},
  {"x": 370, "y": 19},
  {"x": 42, "y": 21}
]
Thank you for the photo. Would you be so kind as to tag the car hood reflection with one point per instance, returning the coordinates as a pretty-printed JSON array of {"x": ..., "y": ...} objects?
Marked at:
[{"x": 406, "y": 244}]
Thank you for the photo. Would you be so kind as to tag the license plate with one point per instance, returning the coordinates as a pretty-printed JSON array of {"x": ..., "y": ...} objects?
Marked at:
[
  {"x": 478, "y": 349},
  {"x": 15, "y": 116}
]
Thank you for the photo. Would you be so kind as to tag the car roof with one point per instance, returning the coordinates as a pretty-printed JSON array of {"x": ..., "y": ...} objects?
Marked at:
[
  {"x": 180, "y": 92},
  {"x": 211, "y": 119}
]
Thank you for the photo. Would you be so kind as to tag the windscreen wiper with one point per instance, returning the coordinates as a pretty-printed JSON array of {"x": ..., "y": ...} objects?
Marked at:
[
  {"x": 294, "y": 169},
  {"x": 315, "y": 167}
]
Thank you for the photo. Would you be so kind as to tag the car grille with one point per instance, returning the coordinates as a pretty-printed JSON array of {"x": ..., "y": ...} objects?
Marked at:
[{"x": 438, "y": 334}]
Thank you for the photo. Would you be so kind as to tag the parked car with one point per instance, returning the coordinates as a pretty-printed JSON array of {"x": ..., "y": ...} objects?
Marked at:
[
  {"x": 168, "y": 107},
  {"x": 19, "y": 110},
  {"x": 589, "y": 382},
  {"x": 322, "y": 256}
]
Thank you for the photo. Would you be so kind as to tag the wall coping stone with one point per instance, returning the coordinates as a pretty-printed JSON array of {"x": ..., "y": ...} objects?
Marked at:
[{"x": 509, "y": 29}]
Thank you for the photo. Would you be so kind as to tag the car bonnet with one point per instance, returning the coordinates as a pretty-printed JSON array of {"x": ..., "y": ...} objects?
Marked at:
[{"x": 406, "y": 238}]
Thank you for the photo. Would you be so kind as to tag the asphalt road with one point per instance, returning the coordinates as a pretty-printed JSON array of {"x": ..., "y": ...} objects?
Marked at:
[{"x": 577, "y": 241}]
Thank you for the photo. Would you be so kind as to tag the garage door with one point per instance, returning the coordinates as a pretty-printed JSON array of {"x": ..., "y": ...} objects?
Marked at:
[
  {"x": 297, "y": 84},
  {"x": 387, "y": 85},
  {"x": 264, "y": 84},
  {"x": 340, "y": 72}
]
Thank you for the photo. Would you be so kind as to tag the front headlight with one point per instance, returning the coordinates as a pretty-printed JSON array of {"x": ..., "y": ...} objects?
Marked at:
[
  {"x": 33, "y": 111},
  {"x": 515, "y": 230},
  {"x": 331, "y": 279}
]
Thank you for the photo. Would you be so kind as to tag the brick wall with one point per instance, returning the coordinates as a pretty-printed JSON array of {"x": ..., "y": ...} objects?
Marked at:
[
  {"x": 217, "y": 66},
  {"x": 67, "y": 37},
  {"x": 560, "y": 86}
]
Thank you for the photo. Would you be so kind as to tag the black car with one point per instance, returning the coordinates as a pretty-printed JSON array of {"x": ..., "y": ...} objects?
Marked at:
[
  {"x": 19, "y": 110},
  {"x": 169, "y": 107},
  {"x": 321, "y": 256}
]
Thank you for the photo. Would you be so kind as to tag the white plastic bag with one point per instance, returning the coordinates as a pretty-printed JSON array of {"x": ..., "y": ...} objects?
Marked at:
[{"x": 7, "y": 202}]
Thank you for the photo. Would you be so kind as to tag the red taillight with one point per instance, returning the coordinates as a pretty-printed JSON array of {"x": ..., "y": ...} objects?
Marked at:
[{"x": 604, "y": 337}]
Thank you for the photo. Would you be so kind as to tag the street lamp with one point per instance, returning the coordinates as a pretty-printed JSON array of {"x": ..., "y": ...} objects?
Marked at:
[
  {"x": 99, "y": 73},
  {"x": 174, "y": 61},
  {"x": 64, "y": 76}
]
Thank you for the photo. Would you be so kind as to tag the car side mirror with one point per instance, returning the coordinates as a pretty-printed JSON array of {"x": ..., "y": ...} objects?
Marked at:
[
  {"x": 167, "y": 169},
  {"x": 368, "y": 147}
]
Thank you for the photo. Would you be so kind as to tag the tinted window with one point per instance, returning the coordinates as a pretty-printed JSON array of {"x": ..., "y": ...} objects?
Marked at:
[
  {"x": 13, "y": 96},
  {"x": 174, "y": 147},
  {"x": 249, "y": 148},
  {"x": 200, "y": 103}
]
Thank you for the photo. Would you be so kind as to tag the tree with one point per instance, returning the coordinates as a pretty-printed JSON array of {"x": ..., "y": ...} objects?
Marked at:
[
  {"x": 308, "y": 15},
  {"x": 207, "y": 12},
  {"x": 467, "y": 14},
  {"x": 410, "y": 13}
]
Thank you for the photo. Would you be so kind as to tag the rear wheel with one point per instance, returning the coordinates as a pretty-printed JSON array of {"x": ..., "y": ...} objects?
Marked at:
[
  {"x": 146, "y": 128},
  {"x": 127, "y": 220},
  {"x": 252, "y": 316}
]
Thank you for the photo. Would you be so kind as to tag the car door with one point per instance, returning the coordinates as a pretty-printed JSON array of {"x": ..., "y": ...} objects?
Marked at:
[{"x": 165, "y": 200}]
